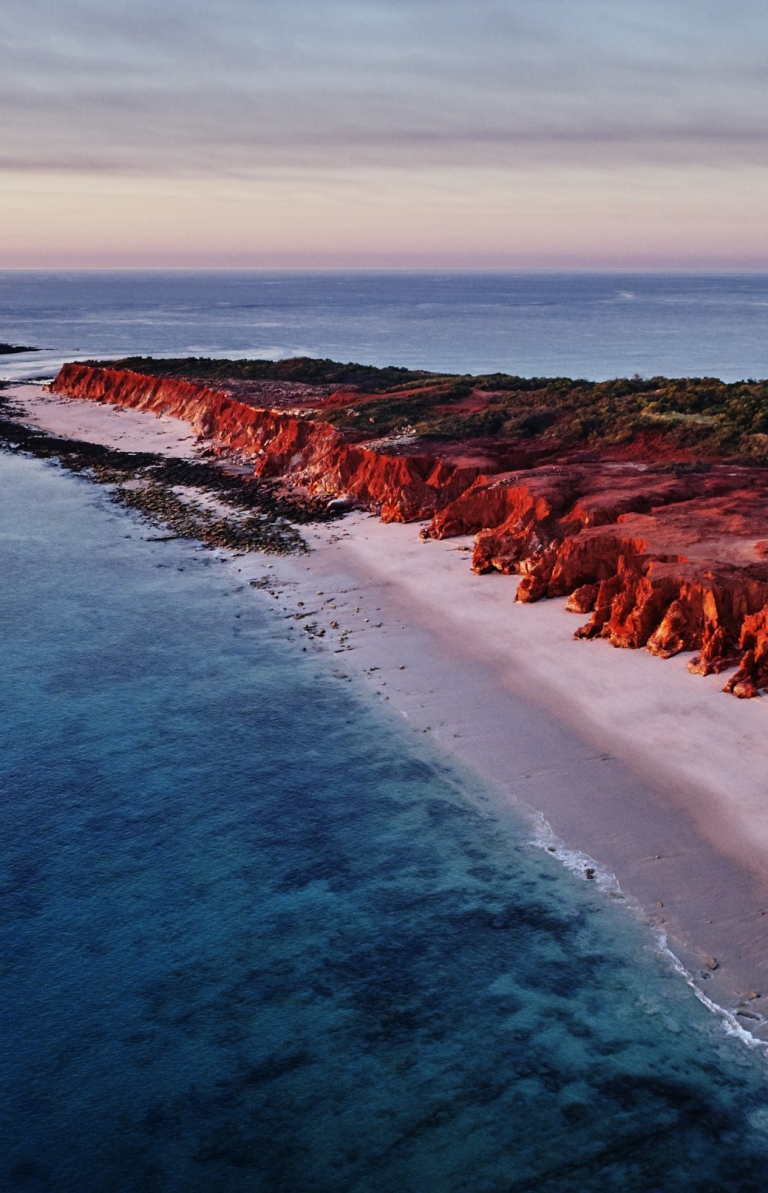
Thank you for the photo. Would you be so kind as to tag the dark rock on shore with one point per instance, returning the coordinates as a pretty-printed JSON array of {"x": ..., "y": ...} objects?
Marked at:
[{"x": 263, "y": 517}]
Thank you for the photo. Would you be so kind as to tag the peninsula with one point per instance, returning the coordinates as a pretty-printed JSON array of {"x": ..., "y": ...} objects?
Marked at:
[
  {"x": 634, "y": 504},
  {"x": 643, "y": 501}
]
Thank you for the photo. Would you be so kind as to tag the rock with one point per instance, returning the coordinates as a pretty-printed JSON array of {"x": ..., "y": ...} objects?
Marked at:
[
  {"x": 406, "y": 485},
  {"x": 582, "y": 599},
  {"x": 658, "y": 560}
]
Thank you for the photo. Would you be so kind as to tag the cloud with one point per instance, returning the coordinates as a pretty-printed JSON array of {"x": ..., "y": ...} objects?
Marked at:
[{"x": 239, "y": 86}]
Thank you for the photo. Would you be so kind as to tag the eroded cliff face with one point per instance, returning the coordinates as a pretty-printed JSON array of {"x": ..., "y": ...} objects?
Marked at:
[
  {"x": 405, "y": 484},
  {"x": 671, "y": 560},
  {"x": 672, "y": 563}
]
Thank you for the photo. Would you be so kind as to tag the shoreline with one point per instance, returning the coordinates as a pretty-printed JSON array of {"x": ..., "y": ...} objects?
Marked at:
[
  {"x": 632, "y": 761},
  {"x": 675, "y": 849}
]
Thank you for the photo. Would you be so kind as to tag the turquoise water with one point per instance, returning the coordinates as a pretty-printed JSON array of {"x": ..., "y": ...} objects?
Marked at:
[
  {"x": 254, "y": 940},
  {"x": 594, "y": 325}
]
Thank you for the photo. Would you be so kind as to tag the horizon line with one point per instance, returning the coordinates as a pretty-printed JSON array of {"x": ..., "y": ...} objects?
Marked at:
[{"x": 393, "y": 269}]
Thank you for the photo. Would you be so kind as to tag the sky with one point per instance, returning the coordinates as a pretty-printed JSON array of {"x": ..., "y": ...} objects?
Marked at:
[{"x": 384, "y": 133}]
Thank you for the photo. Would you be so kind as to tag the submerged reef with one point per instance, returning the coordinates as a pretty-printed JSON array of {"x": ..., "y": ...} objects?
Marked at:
[{"x": 644, "y": 502}]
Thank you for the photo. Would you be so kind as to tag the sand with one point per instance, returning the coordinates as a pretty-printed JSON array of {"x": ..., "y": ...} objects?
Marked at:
[
  {"x": 637, "y": 767},
  {"x": 619, "y": 759},
  {"x": 113, "y": 426}
]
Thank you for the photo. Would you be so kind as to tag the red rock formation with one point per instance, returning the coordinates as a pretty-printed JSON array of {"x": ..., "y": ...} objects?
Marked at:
[
  {"x": 753, "y": 668},
  {"x": 404, "y": 484},
  {"x": 669, "y": 562},
  {"x": 679, "y": 579},
  {"x": 583, "y": 599}
]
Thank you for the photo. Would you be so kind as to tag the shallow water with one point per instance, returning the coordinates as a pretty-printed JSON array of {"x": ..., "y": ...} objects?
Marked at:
[
  {"x": 254, "y": 939},
  {"x": 593, "y": 325}
]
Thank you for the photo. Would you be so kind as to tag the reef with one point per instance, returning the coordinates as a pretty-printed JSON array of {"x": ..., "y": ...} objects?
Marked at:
[{"x": 643, "y": 502}]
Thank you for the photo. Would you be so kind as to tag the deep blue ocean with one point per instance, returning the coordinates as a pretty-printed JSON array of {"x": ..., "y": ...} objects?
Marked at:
[
  {"x": 253, "y": 938},
  {"x": 563, "y": 324}
]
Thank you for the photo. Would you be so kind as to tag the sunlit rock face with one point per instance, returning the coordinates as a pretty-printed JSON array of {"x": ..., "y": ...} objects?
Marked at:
[{"x": 661, "y": 549}]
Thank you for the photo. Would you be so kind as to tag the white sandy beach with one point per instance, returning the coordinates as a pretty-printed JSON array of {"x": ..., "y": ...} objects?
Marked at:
[
  {"x": 648, "y": 770},
  {"x": 652, "y": 772},
  {"x": 127, "y": 430}
]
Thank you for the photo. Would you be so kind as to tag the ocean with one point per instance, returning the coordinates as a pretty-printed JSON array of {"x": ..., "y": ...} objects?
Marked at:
[
  {"x": 573, "y": 324},
  {"x": 254, "y": 938}
]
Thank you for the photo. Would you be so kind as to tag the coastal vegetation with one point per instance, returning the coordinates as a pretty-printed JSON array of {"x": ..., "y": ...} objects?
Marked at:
[
  {"x": 689, "y": 417},
  {"x": 304, "y": 369},
  {"x": 701, "y": 416}
]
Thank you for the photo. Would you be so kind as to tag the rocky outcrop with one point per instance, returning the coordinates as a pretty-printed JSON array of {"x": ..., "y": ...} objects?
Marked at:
[
  {"x": 670, "y": 560},
  {"x": 671, "y": 563},
  {"x": 405, "y": 485},
  {"x": 752, "y": 673}
]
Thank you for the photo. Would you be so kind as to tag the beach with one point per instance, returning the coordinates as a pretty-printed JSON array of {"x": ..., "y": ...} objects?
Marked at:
[
  {"x": 652, "y": 774},
  {"x": 624, "y": 764},
  {"x": 126, "y": 430}
]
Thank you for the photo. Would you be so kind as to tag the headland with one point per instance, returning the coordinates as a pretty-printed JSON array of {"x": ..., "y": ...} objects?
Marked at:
[
  {"x": 611, "y": 501},
  {"x": 642, "y": 502}
]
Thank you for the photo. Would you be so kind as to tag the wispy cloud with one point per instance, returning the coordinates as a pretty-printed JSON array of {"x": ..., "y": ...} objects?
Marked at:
[{"x": 237, "y": 86}]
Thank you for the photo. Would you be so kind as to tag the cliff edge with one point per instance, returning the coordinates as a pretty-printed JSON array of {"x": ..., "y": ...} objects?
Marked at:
[{"x": 645, "y": 503}]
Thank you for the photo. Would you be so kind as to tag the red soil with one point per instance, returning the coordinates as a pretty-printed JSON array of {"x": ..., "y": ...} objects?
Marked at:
[{"x": 666, "y": 561}]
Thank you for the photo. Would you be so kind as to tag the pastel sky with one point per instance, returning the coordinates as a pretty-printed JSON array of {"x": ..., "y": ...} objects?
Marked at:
[{"x": 402, "y": 133}]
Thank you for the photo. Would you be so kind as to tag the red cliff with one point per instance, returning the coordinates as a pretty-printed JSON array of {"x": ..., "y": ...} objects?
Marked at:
[
  {"x": 404, "y": 484},
  {"x": 658, "y": 556},
  {"x": 670, "y": 563}
]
